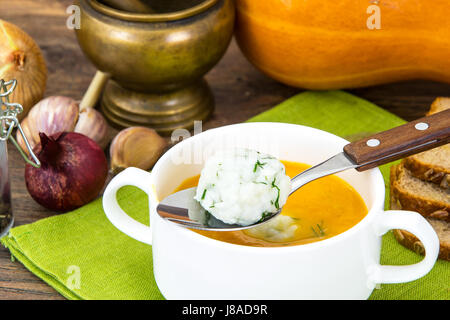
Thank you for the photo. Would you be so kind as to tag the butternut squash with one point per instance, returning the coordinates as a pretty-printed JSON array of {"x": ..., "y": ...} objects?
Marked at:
[{"x": 346, "y": 44}]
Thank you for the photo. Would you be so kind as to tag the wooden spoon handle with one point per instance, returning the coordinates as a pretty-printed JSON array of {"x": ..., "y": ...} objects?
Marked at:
[{"x": 411, "y": 138}]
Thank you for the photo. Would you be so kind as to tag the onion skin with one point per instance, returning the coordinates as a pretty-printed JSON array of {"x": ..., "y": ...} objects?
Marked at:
[
  {"x": 73, "y": 171},
  {"x": 21, "y": 59}
]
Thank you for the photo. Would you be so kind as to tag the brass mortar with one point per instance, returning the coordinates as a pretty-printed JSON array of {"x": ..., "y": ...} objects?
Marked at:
[{"x": 156, "y": 61}]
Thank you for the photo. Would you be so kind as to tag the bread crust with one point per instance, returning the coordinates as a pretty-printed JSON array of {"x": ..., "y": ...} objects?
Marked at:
[
  {"x": 427, "y": 172},
  {"x": 408, "y": 201},
  {"x": 439, "y": 104}
]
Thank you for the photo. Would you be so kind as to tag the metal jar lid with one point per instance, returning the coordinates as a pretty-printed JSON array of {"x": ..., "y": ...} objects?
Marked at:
[{"x": 9, "y": 121}]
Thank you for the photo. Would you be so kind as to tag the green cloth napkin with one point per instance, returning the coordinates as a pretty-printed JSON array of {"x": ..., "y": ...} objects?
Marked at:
[{"x": 83, "y": 256}]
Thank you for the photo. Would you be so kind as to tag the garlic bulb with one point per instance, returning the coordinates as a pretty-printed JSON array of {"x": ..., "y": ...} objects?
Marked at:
[
  {"x": 136, "y": 147},
  {"x": 92, "y": 124},
  {"x": 21, "y": 59},
  {"x": 61, "y": 114}
]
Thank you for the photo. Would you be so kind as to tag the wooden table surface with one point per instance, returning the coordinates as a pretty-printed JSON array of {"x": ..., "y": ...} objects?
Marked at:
[{"x": 240, "y": 90}]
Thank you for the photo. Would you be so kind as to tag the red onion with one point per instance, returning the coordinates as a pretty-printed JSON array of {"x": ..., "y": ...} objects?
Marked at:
[{"x": 73, "y": 171}]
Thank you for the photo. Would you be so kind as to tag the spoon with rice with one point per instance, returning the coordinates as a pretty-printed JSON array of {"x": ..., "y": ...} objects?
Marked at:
[{"x": 240, "y": 188}]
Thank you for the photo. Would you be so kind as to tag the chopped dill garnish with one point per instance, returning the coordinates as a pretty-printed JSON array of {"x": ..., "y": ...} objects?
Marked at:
[
  {"x": 320, "y": 229},
  {"x": 260, "y": 182},
  {"x": 264, "y": 215},
  {"x": 319, "y": 232},
  {"x": 277, "y": 205},
  {"x": 258, "y": 164}
]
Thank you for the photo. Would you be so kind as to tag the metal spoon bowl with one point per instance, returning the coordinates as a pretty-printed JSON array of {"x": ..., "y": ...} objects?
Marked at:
[{"x": 182, "y": 209}]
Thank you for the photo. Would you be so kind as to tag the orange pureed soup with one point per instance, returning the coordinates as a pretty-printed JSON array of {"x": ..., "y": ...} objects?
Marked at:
[{"x": 320, "y": 209}]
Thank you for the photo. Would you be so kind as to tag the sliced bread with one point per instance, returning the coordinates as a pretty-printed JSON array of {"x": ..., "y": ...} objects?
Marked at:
[
  {"x": 421, "y": 183},
  {"x": 439, "y": 104},
  {"x": 432, "y": 165},
  {"x": 411, "y": 242},
  {"x": 411, "y": 193}
]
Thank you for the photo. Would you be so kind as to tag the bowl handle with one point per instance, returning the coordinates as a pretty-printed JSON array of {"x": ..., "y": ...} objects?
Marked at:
[
  {"x": 417, "y": 225},
  {"x": 122, "y": 221}
]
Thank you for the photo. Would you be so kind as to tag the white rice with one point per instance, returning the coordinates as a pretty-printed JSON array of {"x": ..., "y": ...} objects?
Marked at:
[
  {"x": 279, "y": 229},
  {"x": 241, "y": 186}
]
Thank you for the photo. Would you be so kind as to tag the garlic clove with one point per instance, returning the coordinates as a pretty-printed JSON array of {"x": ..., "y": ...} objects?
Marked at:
[
  {"x": 137, "y": 147},
  {"x": 51, "y": 115},
  {"x": 92, "y": 124},
  {"x": 28, "y": 135}
]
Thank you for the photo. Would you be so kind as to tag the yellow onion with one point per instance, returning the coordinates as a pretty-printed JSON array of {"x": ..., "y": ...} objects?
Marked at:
[{"x": 21, "y": 59}]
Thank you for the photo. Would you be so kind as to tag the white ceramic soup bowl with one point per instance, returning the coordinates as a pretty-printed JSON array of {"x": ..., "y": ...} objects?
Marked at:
[{"x": 188, "y": 265}]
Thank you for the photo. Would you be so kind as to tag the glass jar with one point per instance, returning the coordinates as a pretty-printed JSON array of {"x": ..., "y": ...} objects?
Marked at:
[
  {"x": 9, "y": 122},
  {"x": 6, "y": 217}
]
